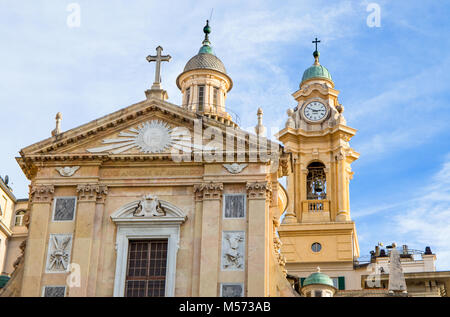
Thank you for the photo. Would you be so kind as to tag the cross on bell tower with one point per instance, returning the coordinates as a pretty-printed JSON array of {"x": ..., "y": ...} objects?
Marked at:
[{"x": 156, "y": 89}]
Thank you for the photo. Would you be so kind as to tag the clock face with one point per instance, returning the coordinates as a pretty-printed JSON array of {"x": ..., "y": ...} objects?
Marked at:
[{"x": 315, "y": 111}]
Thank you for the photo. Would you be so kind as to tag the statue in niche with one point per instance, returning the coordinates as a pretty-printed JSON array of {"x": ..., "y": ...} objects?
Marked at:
[
  {"x": 233, "y": 256},
  {"x": 149, "y": 206}
]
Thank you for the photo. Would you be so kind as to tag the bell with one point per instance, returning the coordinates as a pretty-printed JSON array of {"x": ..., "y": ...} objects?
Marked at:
[{"x": 318, "y": 188}]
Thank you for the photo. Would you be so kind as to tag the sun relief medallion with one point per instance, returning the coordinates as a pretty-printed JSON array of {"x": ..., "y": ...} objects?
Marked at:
[{"x": 153, "y": 136}]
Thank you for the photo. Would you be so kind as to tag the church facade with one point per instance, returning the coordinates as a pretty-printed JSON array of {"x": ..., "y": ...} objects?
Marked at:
[{"x": 159, "y": 199}]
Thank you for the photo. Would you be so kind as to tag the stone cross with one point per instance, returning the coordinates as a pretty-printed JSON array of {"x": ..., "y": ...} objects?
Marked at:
[{"x": 158, "y": 59}]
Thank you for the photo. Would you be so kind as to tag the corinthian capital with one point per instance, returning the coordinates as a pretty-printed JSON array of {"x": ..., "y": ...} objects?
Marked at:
[
  {"x": 92, "y": 192},
  {"x": 42, "y": 193},
  {"x": 208, "y": 191},
  {"x": 259, "y": 190}
]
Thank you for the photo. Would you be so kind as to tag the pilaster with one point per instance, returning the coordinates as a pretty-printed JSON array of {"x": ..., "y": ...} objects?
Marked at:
[
  {"x": 259, "y": 197},
  {"x": 83, "y": 252},
  {"x": 210, "y": 246},
  {"x": 41, "y": 198}
]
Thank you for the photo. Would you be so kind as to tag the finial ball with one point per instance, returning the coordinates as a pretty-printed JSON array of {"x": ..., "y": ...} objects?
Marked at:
[
  {"x": 207, "y": 28},
  {"x": 58, "y": 116}
]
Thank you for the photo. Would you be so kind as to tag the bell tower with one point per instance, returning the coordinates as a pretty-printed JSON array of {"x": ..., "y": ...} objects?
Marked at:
[{"x": 317, "y": 228}]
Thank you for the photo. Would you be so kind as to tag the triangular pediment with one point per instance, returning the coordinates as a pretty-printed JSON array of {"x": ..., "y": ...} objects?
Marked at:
[
  {"x": 149, "y": 127},
  {"x": 148, "y": 116}
]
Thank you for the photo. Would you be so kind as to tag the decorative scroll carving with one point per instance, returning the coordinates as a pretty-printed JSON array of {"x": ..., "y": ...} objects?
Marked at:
[
  {"x": 22, "y": 248},
  {"x": 208, "y": 191},
  {"x": 67, "y": 171},
  {"x": 235, "y": 168},
  {"x": 233, "y": 250},
  {"x": 277, "y": 246},
  {"x": 59, "y": 250},
  {"x": 284, "y": 164},
  {"x": 42, "y": 193},
  {"x": 92, "y": 192},
  {"x": 259, "y": 190},
  {"x": 149, "y": 206}
]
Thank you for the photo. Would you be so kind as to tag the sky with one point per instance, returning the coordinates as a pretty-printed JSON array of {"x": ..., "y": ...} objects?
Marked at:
[{"x": 393, "y": 77}]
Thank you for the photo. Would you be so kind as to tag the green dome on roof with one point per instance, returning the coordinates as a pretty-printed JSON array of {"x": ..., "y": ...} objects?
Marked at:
[
  {"x": 316, "y": 70},
  {"x": 3, "y": 280},
  {"x": 318, "y": 278}
]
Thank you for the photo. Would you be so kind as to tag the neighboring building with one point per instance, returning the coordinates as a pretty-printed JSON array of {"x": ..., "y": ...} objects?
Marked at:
[
  {"x": 158, "y": 199},
  {"x": 12, "y": 227}
]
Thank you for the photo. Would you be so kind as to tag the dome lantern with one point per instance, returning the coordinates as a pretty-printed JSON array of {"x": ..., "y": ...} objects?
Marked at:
[{"x": 205, "y": 83}]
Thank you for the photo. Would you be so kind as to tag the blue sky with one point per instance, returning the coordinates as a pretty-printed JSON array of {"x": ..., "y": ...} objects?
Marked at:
[{"x": 393, "y": 80}]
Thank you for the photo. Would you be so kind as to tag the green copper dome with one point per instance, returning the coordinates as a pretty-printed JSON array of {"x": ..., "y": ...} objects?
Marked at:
[
  {"x": 205, "y": 59},
  {"x": 316, "y": 70},
  {"x": 3, "y": 280},
  {"x": 318, "y": 278}
]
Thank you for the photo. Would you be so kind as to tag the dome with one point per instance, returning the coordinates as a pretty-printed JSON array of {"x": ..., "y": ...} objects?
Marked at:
[
  {"x": 316, "y": 70},
  {"x": 205, "y": 60},
  {"x": 318, "y": 278}
]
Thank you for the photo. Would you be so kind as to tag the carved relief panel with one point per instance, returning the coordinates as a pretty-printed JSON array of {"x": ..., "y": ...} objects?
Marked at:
[
  {"x": 233, "y": 250},
  {"x": 59, "y": 250},
  {"x": 64, "y": 208}
]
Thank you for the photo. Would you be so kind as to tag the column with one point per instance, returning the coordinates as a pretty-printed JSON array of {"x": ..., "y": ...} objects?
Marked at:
[
  {"x": 259, "y": 196},
  {"x": 342, "y": 212},
  {"x": 210, "y": 239},
  {"x": 41, "y": 198}
]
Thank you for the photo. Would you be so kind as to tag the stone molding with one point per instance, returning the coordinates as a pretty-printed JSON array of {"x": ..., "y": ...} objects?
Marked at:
[
  {"x": 207, "y": 191},
  {"x": 42, "y": 193},
  {"x": 92, "y": 192},
  {"x": 259, "y": 190}
]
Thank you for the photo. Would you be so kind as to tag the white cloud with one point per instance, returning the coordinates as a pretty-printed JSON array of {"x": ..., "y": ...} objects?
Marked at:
[{"x": 421, "y": 220}]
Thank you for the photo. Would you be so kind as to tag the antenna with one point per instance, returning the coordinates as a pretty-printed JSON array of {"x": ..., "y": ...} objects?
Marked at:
[{"x": 210, "y": 16}]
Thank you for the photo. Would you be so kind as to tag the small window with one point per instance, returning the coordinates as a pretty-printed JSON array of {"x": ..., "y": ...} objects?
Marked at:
[
  {"x": 18, "y": 221},
  {"x": 335, "y": 282},
  {"x": 317, "y": 293},
  {"x": 201, "y": 97},
  {"x": 234, "y": 206},
  {"x": 316, "y": 247},
  {"x": 216, "y": 96},
  {"x": 188, "y": 95}
]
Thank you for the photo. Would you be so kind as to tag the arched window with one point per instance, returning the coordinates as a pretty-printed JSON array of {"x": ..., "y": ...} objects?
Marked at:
[
  {"x": 18, "y": 221},
  {"x": 316, "y": 182}
]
